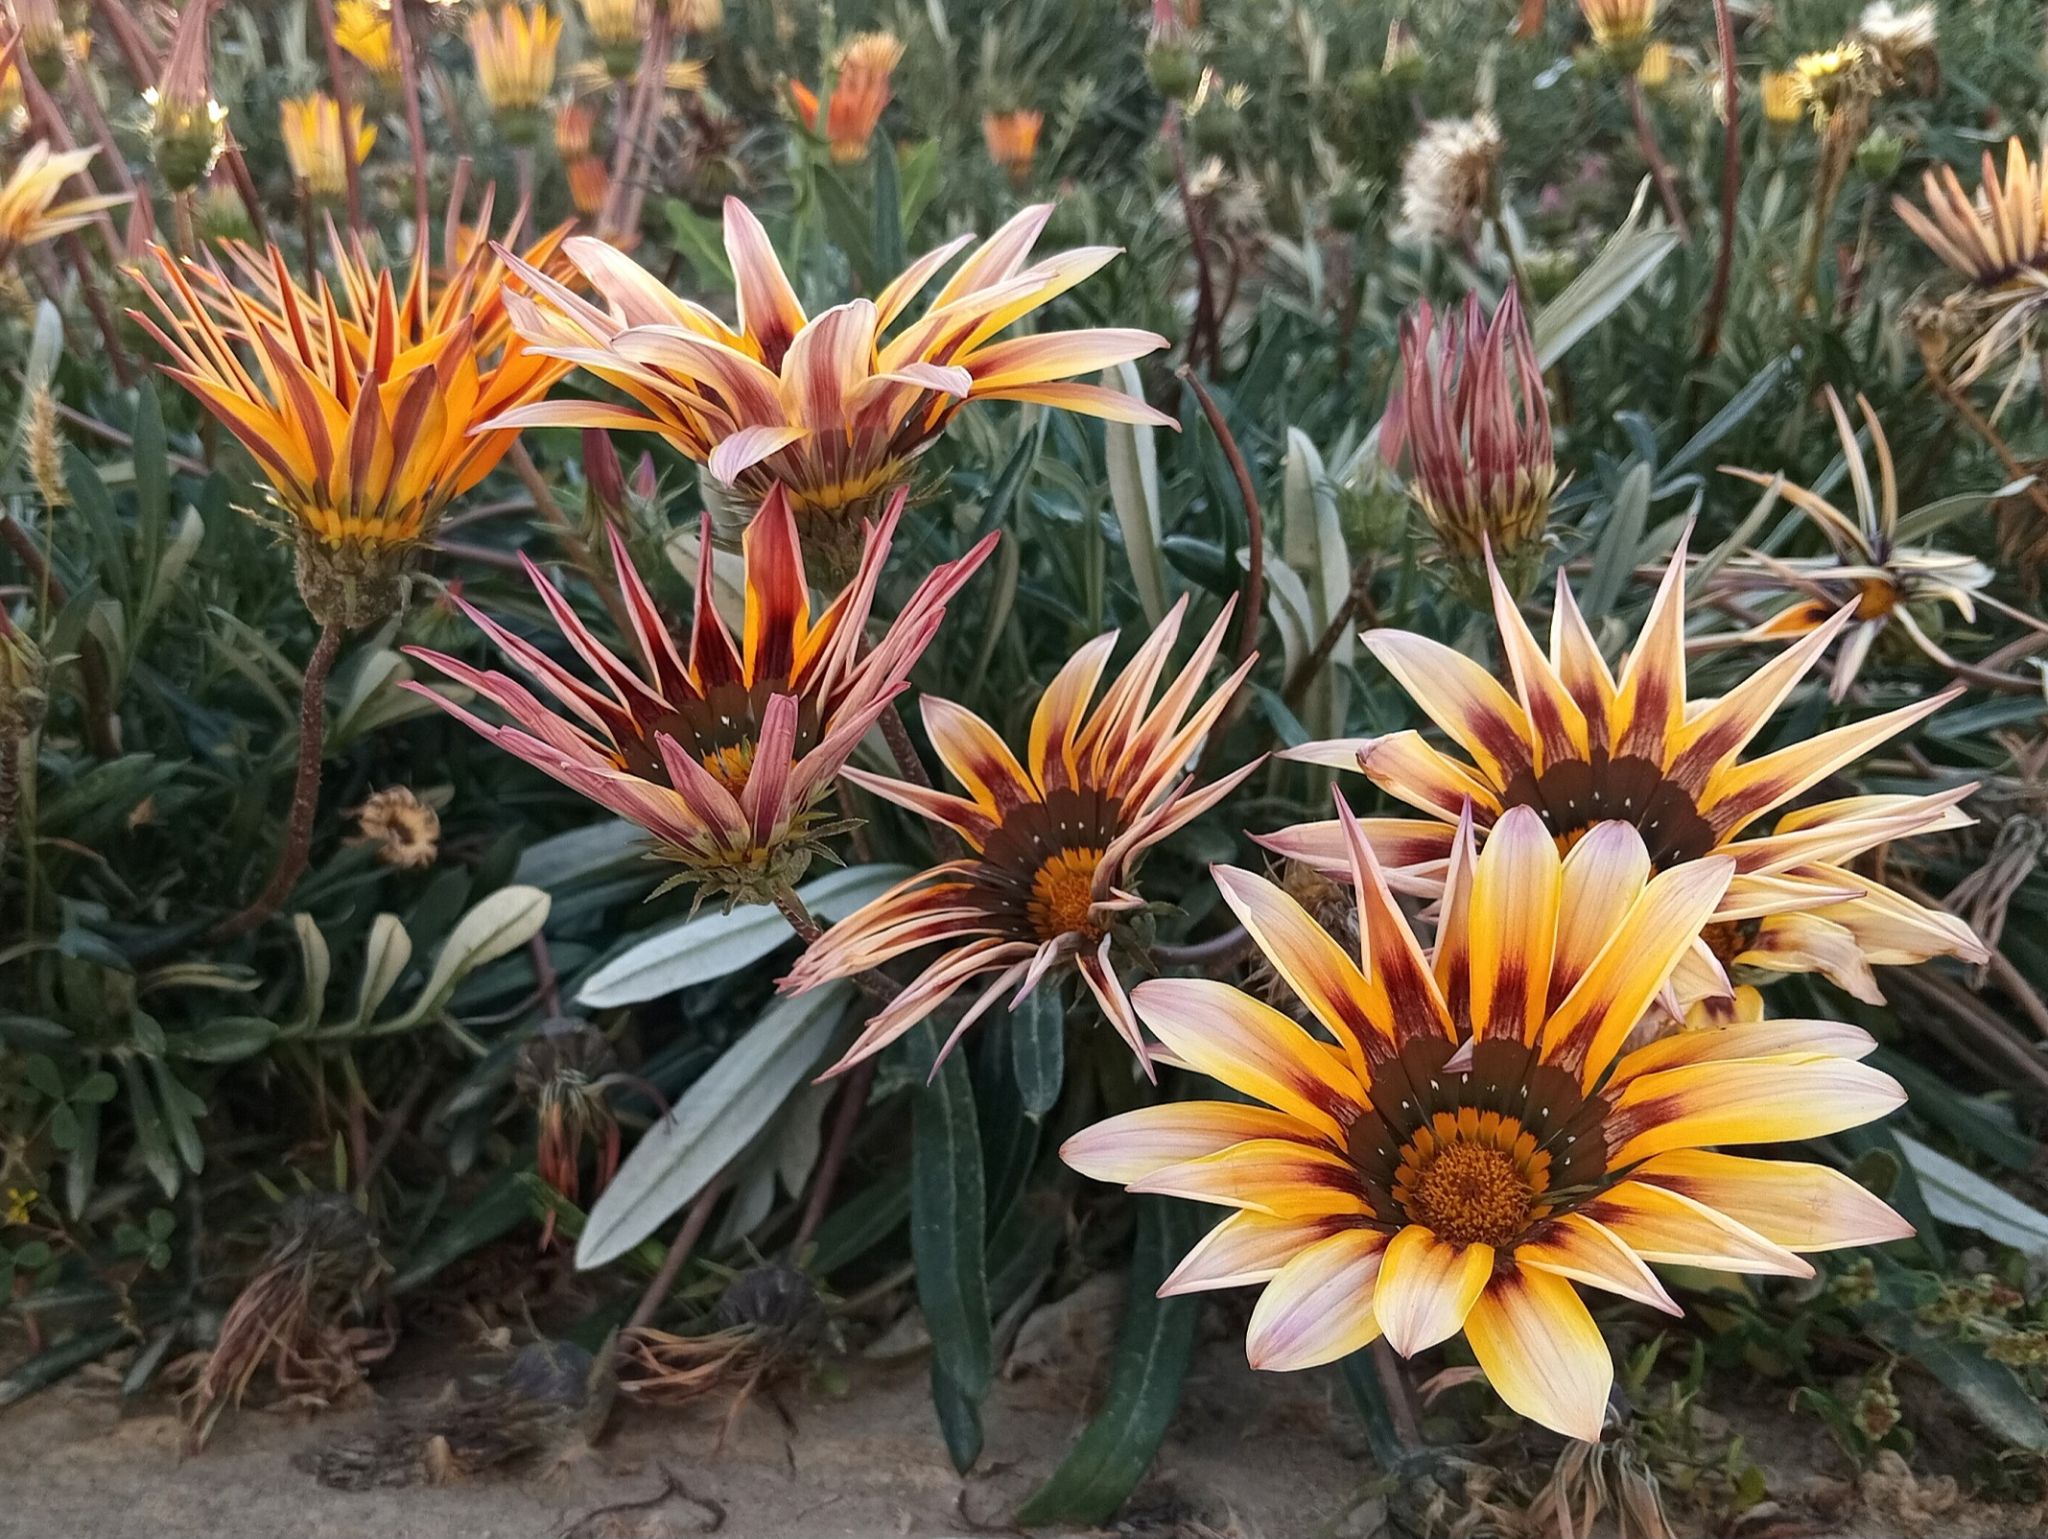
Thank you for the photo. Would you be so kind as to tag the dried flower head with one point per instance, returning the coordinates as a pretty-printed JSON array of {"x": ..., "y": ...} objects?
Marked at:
[
  {"x": 316, "y": 146},
  {"x": 1449, "y": 180},
  {"x": 46, "y": 449},
  {"x": 403, "y": 830},
  {"x": 1900, "y": 40}
]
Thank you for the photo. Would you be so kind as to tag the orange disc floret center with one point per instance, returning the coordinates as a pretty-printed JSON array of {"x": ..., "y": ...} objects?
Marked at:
[
  {"x": 731, "y": 765},
  {"x": 1472, "y": 1178},
  {"x": 1063, "y": 895},
  {"x": 1876, "y": 597}
]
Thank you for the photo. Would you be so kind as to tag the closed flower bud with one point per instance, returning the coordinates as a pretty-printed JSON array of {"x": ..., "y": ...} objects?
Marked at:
[
  {"x": 1402, "y": 61},
  {"x": 40, "y": 27},
  {"x": 1879, "y": 156},
  {"x": 187, "y": 127}
]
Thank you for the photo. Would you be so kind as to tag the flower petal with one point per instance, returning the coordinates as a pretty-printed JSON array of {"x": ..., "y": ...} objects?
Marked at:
[
  {"x": 1426, "y": 1288},
  {"x": 1318, "y": 1307},
  {"x": 1791, "y": 1203},
  {"x": 1269, "y": 1175},
  {"x": 1247, "y": 1247},
  {"x": 1672, "y": 1229},
  {"x": 1587, "y": 1251},
  {"x": 1133, "y": 1144},
  {"x": 1746, "y": 1101},
  {"x": 1513, "y": 921},
  {"x": 1541, "y": 1351}
]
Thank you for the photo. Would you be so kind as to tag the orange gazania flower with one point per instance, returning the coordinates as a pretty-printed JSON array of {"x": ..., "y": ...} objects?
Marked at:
[
  {"x": 1053, "y": 845},
  {"x": 1578, "y": 746},
  {"x": 723, "y": 756},
  {"x": 1012, "y": 140},
  {"x": 1477, "y": 1140},
  {"x": 29, "y": 211},
  {"x": 860, "y": 94},
  {"x": 829, "y": 407},
  {"x": 365, "y": 414}
]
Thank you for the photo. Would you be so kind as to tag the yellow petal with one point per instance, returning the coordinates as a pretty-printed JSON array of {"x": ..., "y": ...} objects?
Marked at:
[
  {"x": 1541, "y": 1351},
  {"x": 1426, "y": 1288},
  {"x": 1318, "y": 1307}
]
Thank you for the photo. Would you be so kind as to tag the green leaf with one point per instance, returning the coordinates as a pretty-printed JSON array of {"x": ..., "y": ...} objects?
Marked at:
[
  {"x": 508, "y": 918},
  {"x": 152, "y": 1142},
  {"x": 1621, "y": 538},
  {"x": 1038, "y": 1049},
  {"x": 151, "y": 458},
  {"x": 888, "y": 200},
  {"x": 1132, "y": 452},
  {"x": 948, "y": 1224},
  {"x": 96, "y": 1089},
  {"x": 959, "y": 1419},
  {"x": 229, "y": 1039},
  {"x": 699, "y": 240},
  {"x": 180, "y": 1108},
  {"x": 846, "y": 221},
  {"x": 1958, "y": 1195},
  {"x": 58, "y": 1362},
  {"x": 713, "y": 1123},
  {"x": 491, "y": 1213},
  {"x": 43, "y": 1076},
  {"x": 1622, "y": 266},
  {"x": 1152, "y": 1350}
]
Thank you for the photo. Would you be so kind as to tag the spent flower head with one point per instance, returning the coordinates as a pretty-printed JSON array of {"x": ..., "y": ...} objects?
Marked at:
[{"x": 1450, "y": 179}]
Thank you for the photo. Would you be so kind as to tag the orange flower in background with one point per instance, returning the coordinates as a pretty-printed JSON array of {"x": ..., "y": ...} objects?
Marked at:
[
  {"x": 365, "y": 415},
  {"x": 315, "y": 146},
  {"x": 725, "y": 755},
  {"x": 574, "y": 123},
  {"x": 833, "y": 408},
  {"x": 1012, "y": 140},
  {"x": 1575, "y": 744},
  {"x": 1470, "y": 1140},
  {"x": 29, "y": 211},
  {"x": 862, "y": 70},
  {"x": 590, "y": 181},
  {"x": 1053, "y": 844}
]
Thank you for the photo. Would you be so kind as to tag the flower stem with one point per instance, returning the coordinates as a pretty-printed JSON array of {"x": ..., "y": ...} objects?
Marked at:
[
  {"x": 337, "y": 85},
  {"x": 298, "y": 838},
  {"x": 415, "y": 124},
  {"x": 1731, "y": 186},
  {"x": 853, "y": 1100},
  {"x": 694, "y": 1223},
  {"x": 1653, "y": 153}
]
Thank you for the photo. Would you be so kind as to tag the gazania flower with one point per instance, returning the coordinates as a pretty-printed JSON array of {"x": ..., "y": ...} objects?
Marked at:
[
  {"x": 2002, "y": 234},
  {"x": 590, "y": 181},
  {"x": 44, "y": 47},
  {"x": 830, "y": 408},
  {"x": 618, "y": 29},
  {"x": 1578, "y": 747},
  {"x": 723, "y": 756},
  {"x": 187, "y": 127},
  {"x": 401, "y": 829},
  {"x": 1621, "y": 28},
  {"x": 1477, "y": 1141},
  {"x": 1871, "y": 570},
  {"x": 1450, "y": 179},
  {"x": 1012, "y": 140},
  {"x": 514, "y": 49},
  {"x": 314, "y": 143},
  {"x": 861, "y": 72},
  {"x": 1472, "y": 413},
  {"x": 693, "y": 18},
  {"x": 1653, "y": 73},
  {"x": 1901, "y": 41},
  {"x": 362, "y": 30},
  {"x": 365, "y": 414},
  {"x": 1783, "y": 100},
  {"x": 1836, "y": 80},
  {"x": 29, "y": 211},
  {"x": 1052, "y": 845}
]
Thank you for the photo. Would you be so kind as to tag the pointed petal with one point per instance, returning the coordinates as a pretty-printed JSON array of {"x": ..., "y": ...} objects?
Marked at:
[
  {"x": 1318, "y": 1307},
  {"x": 1587, "y": 1251},
  {"x": 1796, "y": 1205},
  {"x": 1247, "y": 1247},
  {"x": 1132, "y": 1145},
  {"x": 1541, "y": 1351},
  {"x": 1426, "y": 1288}
]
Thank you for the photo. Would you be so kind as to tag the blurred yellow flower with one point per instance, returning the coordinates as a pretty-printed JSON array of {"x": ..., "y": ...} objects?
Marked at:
[
  {"x": 691, "y": 17},
  {"x": 362, "y": 29},
  {"x": 1620, "y": 27},
  {"x": 29, "y": 211},
  {"x": 1655, "y": 70},
  {"x": 515, "y": 51},
  {"x": 2002, "y": 234},
  {"x": 1782, "y": 101},
  {"x": 315, "y": 145},
  {"x": 618, "y": 30}
]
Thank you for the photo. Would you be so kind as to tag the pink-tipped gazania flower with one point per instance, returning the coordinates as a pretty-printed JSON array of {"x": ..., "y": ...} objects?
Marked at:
[
  {"x": 723, "y": 755},
  {"x": 1473, "y": 416},
  {"x": 832, "y": 408},
  {"x": 1577, "y": 745},
  {"x": 1052, "y": 844},
  {"x": 1477, "y": 1141}
]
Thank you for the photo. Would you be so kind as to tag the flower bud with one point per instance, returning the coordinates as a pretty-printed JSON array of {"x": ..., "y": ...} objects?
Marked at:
[
  {"x": 187, "y": 127},
  {"x": 1880, "y": 154}
]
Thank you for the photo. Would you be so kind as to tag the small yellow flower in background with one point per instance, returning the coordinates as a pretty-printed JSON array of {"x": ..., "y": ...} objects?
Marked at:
[
  {"x": 362, "y": 29},
  {"x": 861, "y": 72},
  {"x": 831, "y": 407},
  {"x": 1999, "y": 236},
  {"x": 364, "y": 413},
  {"x": 1580, "y": 746},
  {"x": 1655, "y": 70},
  {"x": 1449, "y": 179},
  {"x": 1836, "y": 79},
  {"x": 1467, "y": 1138},
  {"x": 1783, "y": 101},
  {"x": 29, "y": 211},
  {"x": 186, "y": 125},
  {"x": 402, "y": 830},
  {"x": 1621, "y": 28},
  {"x": 618, "y": 30},
  {"x": 315, "y": 146},
  {"x": 1012, "y": 140},
  {"x": 20, "y": 1204},
  {"x": 514, "y": 49}
]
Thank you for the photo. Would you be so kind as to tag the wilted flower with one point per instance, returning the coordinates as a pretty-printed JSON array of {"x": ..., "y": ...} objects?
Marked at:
[
  {"x": 824, "y": 407},
  {"x": 402, "y": 830},
  {"x": 1472, "y": 414},
  {"x": 1581, "y": 748},
  {"x": 366, "y": 417},
  {"x": 29, "y": 211},
  {"x": 1901, "y": 41},
  {"x": 1466, "y": 1138},
  {"x": 514, "y": 48},
  {"x": 2000, "y": 236},
  {"x": 1012, "y": 140},
  {"x": 362, "y": 30},
  {"x": 315, "y": 145},
  {"x": 1783, "y": 99},
  {"x": 1837, "y": 80},
  {"x": 1621, "y": 28},
  {"x": 187, "y": 127},
  {"x": 1449, "y": 178},
  {"x": 861, "y": 72},
  {"x": 727, "y": 756},
  {"x": 566, "y": 1074},
  {"x": 1052, "y": 845},
  {"x": 1869, "y": 570}
]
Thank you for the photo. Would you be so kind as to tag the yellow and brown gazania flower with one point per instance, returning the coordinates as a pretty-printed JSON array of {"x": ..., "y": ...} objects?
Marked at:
[
  {"x": 830, "y": 407},
  {"x": 1051, "y": 845},
  {"x": 29, "y": 211},
  {"x": 315, "y": 146},
  {"x": 1999, "y": 237},
  {"x": 514, "y": 48},
  {"x": 1876, "y": 567},
  {"x": 1477, "y": 1140},
  {"x": 861, "y": 72},
  {"x": 1621, "y": 28},
  {"x": 365, "y": 415},
  {"x": 725, "y": 755},
  {"x": 618, "y": 29},
  {"x": 1578, "y": 746},
  {"x": 187, "y": 127},
  {"x": 362, "y": 30}
]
